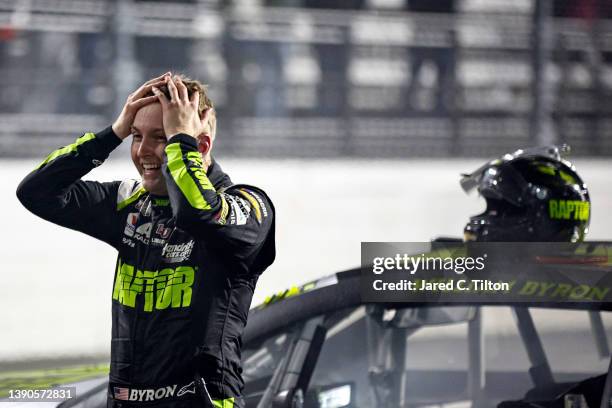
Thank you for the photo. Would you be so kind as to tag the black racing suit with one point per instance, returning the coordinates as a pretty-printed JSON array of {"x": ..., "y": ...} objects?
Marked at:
[{"x": 186, "y": 270}]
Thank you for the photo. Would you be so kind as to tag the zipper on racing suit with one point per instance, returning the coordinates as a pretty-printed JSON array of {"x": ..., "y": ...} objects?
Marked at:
[
  {"x": 140, "y": 264},
  {"x": 200, "y": 383}
]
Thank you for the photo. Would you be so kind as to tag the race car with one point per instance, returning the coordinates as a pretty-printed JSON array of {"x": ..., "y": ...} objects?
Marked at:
[{"x": 320, "y": 346}]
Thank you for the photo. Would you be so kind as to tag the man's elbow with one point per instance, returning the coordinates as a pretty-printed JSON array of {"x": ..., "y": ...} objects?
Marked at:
[
  {"x": 24, "y": 193},
  {"x": 188, "y": 218},
  {"x": 28, "y": 195}
]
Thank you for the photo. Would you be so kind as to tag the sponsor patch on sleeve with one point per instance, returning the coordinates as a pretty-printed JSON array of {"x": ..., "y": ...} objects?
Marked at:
[
  {"x": 254, "y": 204},
  {"x": 224, "y": 211},
  {"x": 238, "y": 208},
  {"x": 258, "y": 204}
]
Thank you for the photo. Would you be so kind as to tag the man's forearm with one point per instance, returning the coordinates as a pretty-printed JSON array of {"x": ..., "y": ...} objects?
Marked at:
[
  {"x": 191, "y": 193},
  {"x": 47, "y": 187}
]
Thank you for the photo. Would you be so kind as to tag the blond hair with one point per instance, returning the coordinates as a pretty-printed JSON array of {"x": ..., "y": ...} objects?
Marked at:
[{"x": 192, "y": 86}]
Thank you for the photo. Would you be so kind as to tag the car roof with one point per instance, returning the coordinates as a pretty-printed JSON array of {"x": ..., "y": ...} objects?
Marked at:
[{"x": 343, "y": 290}]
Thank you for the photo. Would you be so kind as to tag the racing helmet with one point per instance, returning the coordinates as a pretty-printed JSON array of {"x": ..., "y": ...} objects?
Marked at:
[{"x": 532, "y": 195}]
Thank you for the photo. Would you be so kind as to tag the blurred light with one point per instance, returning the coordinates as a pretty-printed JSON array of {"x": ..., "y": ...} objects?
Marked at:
[
  {"x": 376, "y": 71},
  {"x": 500, "y": 6},
  {"x": 385, "y": 4},
  {"x": 303, "y": 69},
  {"x": 99, "y": 95},
  {"x": 374, "y": 30},
  {"x": 303, "y": 28},
  {"x": 428, "y": 74},
  {"x": 580, "y": 75},
  {"x": 490, "y": 72},
  {"x": 336, "y": 397},
  {"x": 209, "y": 25}
]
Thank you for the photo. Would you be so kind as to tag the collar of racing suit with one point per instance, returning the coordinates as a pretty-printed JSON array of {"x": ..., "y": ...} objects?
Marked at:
[{"x": 216, "y": 175}]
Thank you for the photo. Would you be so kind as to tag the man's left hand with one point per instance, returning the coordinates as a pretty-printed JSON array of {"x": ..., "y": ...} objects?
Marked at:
[{"x": 180, "y": 113}]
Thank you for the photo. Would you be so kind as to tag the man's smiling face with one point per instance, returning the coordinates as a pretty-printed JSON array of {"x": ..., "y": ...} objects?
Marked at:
[{"x": 148, "y": 144}]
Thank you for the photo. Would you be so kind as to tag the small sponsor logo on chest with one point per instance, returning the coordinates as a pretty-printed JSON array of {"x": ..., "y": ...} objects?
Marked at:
[
  {"x": 141, "y": 232},
  {"x": 172, "y": 253},
  {"x": 163, "y": 231},
  {"x": 130, "y": 224},
  {"x": 144, "y": 231}
]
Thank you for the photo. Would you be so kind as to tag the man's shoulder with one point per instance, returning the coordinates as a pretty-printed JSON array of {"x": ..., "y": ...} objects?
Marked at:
[
  {"x": 247, "y": 187},
  {"x": 254, "y": 197}
]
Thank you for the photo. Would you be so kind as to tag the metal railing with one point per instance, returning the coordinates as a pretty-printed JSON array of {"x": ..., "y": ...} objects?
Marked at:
[{"x": 310, "y": 83}]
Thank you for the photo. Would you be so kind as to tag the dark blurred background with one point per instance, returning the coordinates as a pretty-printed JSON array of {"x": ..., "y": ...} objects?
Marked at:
[{"x": 319, "y": 78}]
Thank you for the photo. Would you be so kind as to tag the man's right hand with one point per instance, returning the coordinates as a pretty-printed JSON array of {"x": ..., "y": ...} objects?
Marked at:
[{"x": 135, "y": 101}]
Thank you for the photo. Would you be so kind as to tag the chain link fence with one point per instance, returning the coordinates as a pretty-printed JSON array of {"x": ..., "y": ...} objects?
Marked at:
[{"x": 481, "y": 79}]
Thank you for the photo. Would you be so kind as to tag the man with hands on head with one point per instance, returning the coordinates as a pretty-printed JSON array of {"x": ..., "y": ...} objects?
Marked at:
[{"x": 191, "y": 246}]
